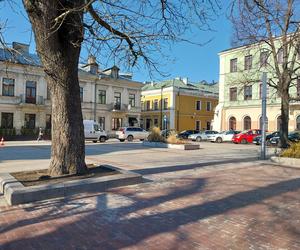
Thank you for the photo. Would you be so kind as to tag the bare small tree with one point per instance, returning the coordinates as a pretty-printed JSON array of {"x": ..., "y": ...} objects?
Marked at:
[
  {"x": 272, "y": 27},
  {"x": 130, "y": 30}
]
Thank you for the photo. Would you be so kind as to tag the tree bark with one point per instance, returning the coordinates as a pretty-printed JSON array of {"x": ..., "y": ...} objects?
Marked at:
[
  {"x": 59, "y": 48},
  {"x": 285, "y": 109}
]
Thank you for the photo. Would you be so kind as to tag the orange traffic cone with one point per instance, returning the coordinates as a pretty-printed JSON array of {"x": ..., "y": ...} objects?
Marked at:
[{"x": 2, "y": 142}]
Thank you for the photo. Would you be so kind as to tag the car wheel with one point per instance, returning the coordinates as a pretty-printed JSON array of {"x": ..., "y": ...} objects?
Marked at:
[
  {"x": 94, "y": 141},
  {"x": 219, "y": 140},
  {"x": 121, "y": 140},
  {"x": 244, "y": 141},
  {"x": 102, "y": 139},
  {"x": 198, "y": 139},
  {"x": 130, "y": 138}
]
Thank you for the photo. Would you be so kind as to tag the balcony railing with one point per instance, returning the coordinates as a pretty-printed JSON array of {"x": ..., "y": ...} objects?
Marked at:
[{"x": 39, "y": 100}]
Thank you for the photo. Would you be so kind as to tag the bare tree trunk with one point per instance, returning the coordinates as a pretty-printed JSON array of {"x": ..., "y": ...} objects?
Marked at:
[
  {"x": 59, "y": 48},
  {"x": 285, "y": 109}
]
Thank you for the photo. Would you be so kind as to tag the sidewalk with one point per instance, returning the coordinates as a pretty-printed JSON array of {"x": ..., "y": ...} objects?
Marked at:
[{"x": 225, "y": 206}]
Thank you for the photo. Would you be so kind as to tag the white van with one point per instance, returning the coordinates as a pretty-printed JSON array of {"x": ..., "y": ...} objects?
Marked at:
[{"x": 93, "y": 132}]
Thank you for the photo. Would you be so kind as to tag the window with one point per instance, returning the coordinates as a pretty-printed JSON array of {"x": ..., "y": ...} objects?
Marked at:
[
  {"x": 155, "y": 104},
  {"x": 232, "y": 123},
  {"x": 247, "y": 123},
  {"x": 248, "y": 62},
  {"x": 30, "y": 92},
  {"x": 7, "y": 120},
  {"x": 147, "y": 105},
  {"x": 208, "y": 106},
  {"x": 298, "y": 87},
  {"x": 233, "y": 65},
  {"x": 81, "y": 94},
  {"x": 101, "y": 96},
  {"x": 30, "y": 121},
  {"x": 260, "y": 123},
  {"x": 208, "y": 125},
  {"x": 248, "y": 92},
  {"x": 132, "y": 100},
  {"x": 165, "y": 103},
  {"x": 298, "y": 122},
  {"x": 260, "y": 91},
  {"x": 263, "y": 58},
  {"x": 233, "y": 94},
  {"x": 101, "y": 121},
  {"x": 116, "y": 123},
  {"x": 117, "y": 99},
  {"x": 8, "y": 86},
  {"x": 280, "y": 56},
  {"x": 198, "y": 125},
  {"x": 198, "y": 105},
  {"x": 155, "y": 122},
  {"x": 48, "y": 121},
  {"x": 148, "y": 123}
]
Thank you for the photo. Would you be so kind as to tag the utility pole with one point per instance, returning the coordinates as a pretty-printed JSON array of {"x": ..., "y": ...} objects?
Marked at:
[{"x": 263, "y": 115}]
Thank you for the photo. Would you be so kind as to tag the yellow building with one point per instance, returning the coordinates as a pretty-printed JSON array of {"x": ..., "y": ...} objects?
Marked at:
[{"x": 178, "y": 104}]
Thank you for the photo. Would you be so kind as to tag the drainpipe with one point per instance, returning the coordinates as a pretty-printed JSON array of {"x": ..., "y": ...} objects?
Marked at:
[{"x": 95, "y": 101}]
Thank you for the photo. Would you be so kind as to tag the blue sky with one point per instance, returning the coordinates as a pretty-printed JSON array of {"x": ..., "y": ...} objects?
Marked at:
[{"x": 188, "y": 60}]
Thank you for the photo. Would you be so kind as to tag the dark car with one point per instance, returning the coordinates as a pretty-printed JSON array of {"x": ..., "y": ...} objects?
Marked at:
[
  {"x": 292, "y": 136},
  {"x": 257, "y": 139},
  {"x": 185, "y": 133}
]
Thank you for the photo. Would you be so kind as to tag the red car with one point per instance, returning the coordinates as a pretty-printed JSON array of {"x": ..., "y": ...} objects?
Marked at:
[{"x": 246, "y": 136}]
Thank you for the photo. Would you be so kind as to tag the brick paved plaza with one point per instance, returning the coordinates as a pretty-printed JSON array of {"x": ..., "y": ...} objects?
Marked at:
[{"x": 236, "y": 205}]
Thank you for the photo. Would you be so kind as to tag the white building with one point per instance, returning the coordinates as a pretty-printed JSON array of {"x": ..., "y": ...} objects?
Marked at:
[{"x": 108, "y": 97}]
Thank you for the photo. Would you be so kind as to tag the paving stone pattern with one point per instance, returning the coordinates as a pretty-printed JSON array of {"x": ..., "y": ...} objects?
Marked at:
[{"x": 229, "y": 206}]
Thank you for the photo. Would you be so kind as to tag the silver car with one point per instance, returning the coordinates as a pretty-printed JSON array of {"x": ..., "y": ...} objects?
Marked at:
[
  {"x": 224, "y": 136},
  {"x": 202, "y": 135},
  {"x": 131, "y": 133}
]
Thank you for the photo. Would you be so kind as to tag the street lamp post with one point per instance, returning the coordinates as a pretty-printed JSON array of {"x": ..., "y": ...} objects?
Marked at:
[{"x": 263, "y": 115}]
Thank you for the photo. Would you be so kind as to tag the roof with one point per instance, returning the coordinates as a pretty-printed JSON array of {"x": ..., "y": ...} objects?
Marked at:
[
  {"x": 179, "y": 83},
  {"x": 13, "y": 56}
]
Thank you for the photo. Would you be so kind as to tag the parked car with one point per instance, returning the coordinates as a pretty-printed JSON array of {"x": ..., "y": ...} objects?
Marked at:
[
  {"x": 246, "y": 136},
  {"x": 131, "y": 133},
  {"x": 222, "y": 136},
  {"x": 292, "y": 136},
  {"x": 186, "y": 133},
  {"x": 93, "y": 132},
  {"x": 257, "y": 139},
  {"x": 202, "y": 135}
]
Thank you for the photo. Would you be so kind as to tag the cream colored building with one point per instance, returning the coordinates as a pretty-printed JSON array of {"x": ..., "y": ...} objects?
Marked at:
[
  {"x": 108, "y": 97},
  {"x": 240, "y": 92}
]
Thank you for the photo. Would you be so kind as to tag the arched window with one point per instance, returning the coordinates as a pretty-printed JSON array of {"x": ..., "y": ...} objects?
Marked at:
[
  {"x": 279, "y": 122},
  {"x": 232, "y": 123},
  {"x": 298, "y": 122},
  {"x": 247, "y": 123},
  {"x": 260, "y": 123}
]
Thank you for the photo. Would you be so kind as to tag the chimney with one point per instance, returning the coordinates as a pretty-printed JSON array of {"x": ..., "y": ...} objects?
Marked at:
[
  {"x": 21, "y": 47},
  {"x": 115, "y": 72},
  {"x": 92, "y": 65},
  {"x": 185, "y": 80}
]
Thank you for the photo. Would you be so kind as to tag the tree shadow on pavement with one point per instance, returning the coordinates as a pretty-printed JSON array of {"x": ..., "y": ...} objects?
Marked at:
[{"x": 134, "y": 219}]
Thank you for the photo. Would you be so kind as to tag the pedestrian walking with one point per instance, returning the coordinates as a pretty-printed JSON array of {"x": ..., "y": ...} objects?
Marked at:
[{"x": 41, "y": 134}]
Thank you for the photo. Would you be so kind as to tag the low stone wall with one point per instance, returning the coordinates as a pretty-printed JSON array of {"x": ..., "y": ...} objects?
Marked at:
[
  {"x": 292, "y": 162},
  {"x": 15, "y": 193},
  {"x": 173, "y": 146}
]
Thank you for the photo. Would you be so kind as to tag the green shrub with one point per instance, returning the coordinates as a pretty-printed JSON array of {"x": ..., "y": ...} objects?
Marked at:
[
  {"x": 7, "y": 132},
  {"x": 292, "y": 152},
  {"x": 155, "y": 135}
]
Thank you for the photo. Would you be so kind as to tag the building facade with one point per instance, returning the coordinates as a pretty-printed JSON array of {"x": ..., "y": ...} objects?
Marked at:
[
  {"x": 240, "y": 91},
  {"x": 179, "y": 105},
  {"x": 108, "y": 97}
]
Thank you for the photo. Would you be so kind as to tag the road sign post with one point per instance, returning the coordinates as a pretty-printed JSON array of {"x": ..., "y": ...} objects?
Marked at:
[{"x": 263, "y": 115}]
